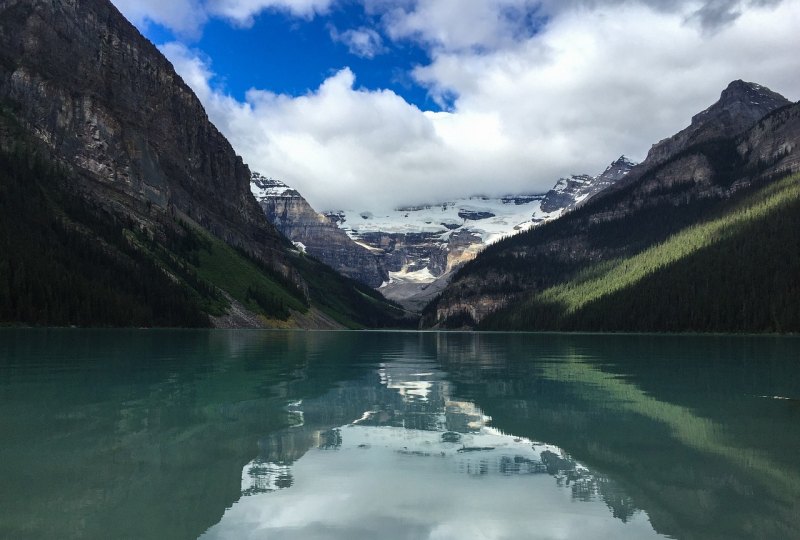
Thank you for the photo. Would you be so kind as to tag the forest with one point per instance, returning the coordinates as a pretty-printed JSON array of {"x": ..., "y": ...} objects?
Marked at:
[{"x": 737, "y": 271}]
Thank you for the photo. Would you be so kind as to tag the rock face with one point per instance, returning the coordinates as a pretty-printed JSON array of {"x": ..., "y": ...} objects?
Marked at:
[
  {"x": 103, "y": 98},
  {"x": 740, "y": 106},
  {"x": 314, "y": 233},
  {"x": 571, "y": 192},
  {"x": 750, "y": 135}
]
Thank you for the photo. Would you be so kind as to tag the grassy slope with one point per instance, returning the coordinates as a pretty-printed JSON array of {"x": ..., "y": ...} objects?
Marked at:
[
  {"x": 737, "y": 272},
  {"x": 346, "y": 301}
]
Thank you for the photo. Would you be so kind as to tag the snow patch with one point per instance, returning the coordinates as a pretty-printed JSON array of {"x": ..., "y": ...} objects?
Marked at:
[{"x": 417, "y": 276}]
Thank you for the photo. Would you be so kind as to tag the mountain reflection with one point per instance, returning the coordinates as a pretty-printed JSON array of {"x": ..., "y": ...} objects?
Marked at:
[
  {"x": 403, "y": 421},
  {"x": 237, "y": 435}
]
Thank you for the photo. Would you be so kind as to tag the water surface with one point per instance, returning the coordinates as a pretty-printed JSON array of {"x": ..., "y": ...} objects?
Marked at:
[{"x": 250, "y": 434}]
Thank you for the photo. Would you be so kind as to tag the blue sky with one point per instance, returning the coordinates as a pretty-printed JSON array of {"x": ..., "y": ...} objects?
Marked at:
[
  {"x": 366, "y": 104},
  {"x": 293, "y": 56}
]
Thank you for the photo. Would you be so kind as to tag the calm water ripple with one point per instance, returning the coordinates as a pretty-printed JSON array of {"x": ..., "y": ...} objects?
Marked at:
[{"x": 250, "y": 434}]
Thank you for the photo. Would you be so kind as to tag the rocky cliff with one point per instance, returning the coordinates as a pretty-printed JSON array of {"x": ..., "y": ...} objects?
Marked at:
[
  {"x": 105, "y": 100},
  {"x": 314, "y": 233}
]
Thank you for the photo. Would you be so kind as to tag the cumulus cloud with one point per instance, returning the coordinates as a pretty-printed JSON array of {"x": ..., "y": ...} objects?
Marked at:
[
  {"x": 458, "y": 24},
  {"x": 364, "y": 42},
  {"x": 243, "y": 11},
  {"x": 591, "y": 84},
  {"x": 187, "y": 17}
]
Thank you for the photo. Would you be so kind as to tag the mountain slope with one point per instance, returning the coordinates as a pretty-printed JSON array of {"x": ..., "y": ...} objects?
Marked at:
[
  {"x": 736, "y": 272},
  {"x": 139, "y": 177},
  {"x": 656, "y": 200}
]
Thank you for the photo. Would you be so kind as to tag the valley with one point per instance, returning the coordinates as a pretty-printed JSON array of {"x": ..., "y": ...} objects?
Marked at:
[{"x": 410, "y": 253}]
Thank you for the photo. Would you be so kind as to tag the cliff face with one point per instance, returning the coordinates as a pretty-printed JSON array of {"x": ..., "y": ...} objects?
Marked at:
[
  {"x": 313, "y": 232},
  {"x": 103, "y": 99}
]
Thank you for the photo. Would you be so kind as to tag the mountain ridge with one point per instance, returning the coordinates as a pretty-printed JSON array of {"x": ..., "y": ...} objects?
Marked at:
[{"x": 655, "y": 200}]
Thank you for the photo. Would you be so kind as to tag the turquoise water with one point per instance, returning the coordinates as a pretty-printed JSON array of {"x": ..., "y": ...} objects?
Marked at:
[{"x": 248, "y": 434}]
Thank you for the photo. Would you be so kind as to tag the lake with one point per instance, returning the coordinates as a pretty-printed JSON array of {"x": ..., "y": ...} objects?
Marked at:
[{"x": 161, "y": 434}]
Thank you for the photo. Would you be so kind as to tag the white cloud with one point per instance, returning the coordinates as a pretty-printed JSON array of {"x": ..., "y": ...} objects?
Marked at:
[
  {"x": 364, "y": 42},
  {"x": 243, "y": 11},
  {"x": 457, "y": 24},
  {"x": 592, "y": 84},
  {"x": 187, "y": 17}
]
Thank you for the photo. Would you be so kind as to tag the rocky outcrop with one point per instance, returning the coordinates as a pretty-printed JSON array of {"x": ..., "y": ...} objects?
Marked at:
[{"x": 314, "y": 233}]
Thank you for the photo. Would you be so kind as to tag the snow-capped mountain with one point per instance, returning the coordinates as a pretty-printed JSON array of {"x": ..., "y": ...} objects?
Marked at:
[
  {"x": 571, "y": 192},
  {"x": 423, "y": 244},
  {"x": 410, "y": 252}
]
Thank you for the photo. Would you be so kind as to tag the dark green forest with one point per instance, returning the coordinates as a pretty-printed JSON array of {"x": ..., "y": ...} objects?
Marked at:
[{"x": 65, "y": 263}]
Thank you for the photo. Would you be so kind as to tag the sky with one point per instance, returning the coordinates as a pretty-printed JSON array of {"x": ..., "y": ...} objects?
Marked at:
[{"x": 374, "y": 104}]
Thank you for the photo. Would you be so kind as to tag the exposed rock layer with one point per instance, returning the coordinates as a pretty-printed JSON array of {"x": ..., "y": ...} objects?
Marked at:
[
  {"x": 313, "y": 232},
  {"x": 104, "y": 99}
]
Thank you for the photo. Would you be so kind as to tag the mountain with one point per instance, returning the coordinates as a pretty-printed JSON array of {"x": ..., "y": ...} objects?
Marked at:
[
  {"x": 740, "y": 106},
  {"x": 420, "y": 246},
  {"x": 619, "y": 255},
  {"x": 122, "y": 204},
  {"x": 314, "y": 233},
  {"x": 410, "y": 253},
  {"x": 570, "y": 192}
]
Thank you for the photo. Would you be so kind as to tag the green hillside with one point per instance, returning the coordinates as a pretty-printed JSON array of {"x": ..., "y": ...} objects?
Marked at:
[
  {"x": 737, "y": 271},
  {"x": 65, "y": 262}
]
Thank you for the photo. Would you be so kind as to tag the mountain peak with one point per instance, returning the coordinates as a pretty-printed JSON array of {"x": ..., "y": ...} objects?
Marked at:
[
  {"x": 622, "y": 160},
  {"x": 741, "y": 102},
  {"x": 263, "y": 187}
]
